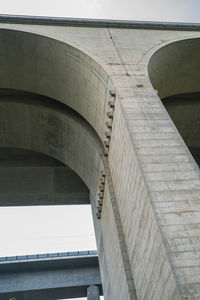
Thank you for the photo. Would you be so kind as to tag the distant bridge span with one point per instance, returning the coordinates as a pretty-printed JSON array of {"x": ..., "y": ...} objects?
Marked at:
[{"x": 50, "y": 276}]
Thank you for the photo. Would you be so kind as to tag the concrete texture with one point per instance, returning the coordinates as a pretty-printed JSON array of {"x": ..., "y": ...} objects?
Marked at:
[
  {"x": 30, "y": 178},
  {"x": 184, "y": 110},
  {"x": 131, "y": 156}
]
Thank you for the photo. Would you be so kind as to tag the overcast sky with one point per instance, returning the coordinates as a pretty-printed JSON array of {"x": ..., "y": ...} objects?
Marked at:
[
  {"x": 159, "y": 10},
  {"x": 53, "y": 229},
  {"x": 43, "y": 229}
]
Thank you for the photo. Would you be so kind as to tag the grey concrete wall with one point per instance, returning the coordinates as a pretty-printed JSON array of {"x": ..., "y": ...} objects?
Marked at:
[
  {"x": 174, "y": 69},
  {"x": 49, "y": 130},
  {"x": 55, "y": 69},
  {"x": 27, "y": 179},
  {"x": 184, "y": 110},
  {"x": 48, "y": 279},
  {"x": 113, "y": 255},
  {"x": 66, "y": 137},
  {"x": 149, "y": 222},
  {"x": 152, "y": 147}
]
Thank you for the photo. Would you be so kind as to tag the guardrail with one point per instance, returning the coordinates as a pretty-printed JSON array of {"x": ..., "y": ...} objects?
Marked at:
[{"x": 47, "y": 255}]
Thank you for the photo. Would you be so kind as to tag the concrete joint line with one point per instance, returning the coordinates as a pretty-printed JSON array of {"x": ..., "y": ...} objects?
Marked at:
[
  {"x": 88, "y": 66},
  {"x": 122, "y": 242},
  {"x": 109, "y": 121},
  {"x": 101, "y": 188}
]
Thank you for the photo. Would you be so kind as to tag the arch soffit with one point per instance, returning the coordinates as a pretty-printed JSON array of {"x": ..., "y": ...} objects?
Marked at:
[
  {"x": 159, "y": 55},
  {"x": 50, "y": 130},
  {"x": 150, "y": 52},
  {"x": 60, "y": 70},
  {"x": 176, "y": 68}
]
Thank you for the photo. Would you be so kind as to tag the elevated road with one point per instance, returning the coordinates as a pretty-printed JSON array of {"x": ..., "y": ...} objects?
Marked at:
[{"x": 49, "y": 276}]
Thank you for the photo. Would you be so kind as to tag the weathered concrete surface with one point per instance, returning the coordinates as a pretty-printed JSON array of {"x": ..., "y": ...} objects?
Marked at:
[
  {"x": 46, "y": 127},
  {"x": 30, "y": 178},
  {"x": 184, "y": 110},
  {"x": 49, "y": 278},
  {"x": 149, "y": 222}
]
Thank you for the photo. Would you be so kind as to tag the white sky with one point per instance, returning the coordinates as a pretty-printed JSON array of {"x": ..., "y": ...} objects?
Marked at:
[
  {"x": 160, "y": 10},
  {"x": 43, "y": 229}
]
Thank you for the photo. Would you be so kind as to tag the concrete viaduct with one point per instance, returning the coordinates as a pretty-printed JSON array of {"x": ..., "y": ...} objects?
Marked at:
[
  {"x": 50, "y": 276},
  {"x": 107, "y": 113}
]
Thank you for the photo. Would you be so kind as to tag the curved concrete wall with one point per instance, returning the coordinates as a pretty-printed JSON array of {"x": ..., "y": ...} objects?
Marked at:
[
  {"x": 35, "y": 123},
  {"x": 45, "y": 66},
  {"x": 175, "y": 68},
  {"x": 40, "y": 124},
  {"x": 155, "y": 178}
]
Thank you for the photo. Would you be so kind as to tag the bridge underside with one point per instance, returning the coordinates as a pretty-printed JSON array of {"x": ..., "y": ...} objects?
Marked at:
[
  {"x": 48, "y": 294},
  {"x": 49, "y": 279}
]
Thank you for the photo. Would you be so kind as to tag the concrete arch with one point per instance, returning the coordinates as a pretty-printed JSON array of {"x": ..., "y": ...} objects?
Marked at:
[
  {"x": 38, "y": 123},
  {"x": 30, "y": 178},
  {"x": 43, "y": 65},
  {"x": 173, "y": 70}
]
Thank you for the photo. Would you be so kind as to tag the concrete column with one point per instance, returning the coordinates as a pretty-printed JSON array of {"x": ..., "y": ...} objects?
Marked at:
[{"x": 93, "y": 293}]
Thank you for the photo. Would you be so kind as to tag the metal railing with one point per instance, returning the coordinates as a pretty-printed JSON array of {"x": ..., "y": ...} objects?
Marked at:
[{"x": 48, "y": 255}]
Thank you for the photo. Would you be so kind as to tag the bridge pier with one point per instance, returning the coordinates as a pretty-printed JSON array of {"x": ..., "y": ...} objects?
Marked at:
[{"x": 93, "y": 293}]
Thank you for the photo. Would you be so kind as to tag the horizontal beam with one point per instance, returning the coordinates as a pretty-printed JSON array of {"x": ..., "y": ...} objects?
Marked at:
[
  {"x": 48, "y": 261},
  {"x": 49, "y": 278},
  {"x": 41, "y": 20},
  {"x": 51, "y": 294}
]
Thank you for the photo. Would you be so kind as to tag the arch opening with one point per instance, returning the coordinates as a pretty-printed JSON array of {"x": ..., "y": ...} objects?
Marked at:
[
  {"x": 184, "y": 110},
  {"x": 174, "y": 71},
  {"x": 35, "y": 67},
  {"x": 49, "y": 154},
  {"x": 175, "y": 68}
]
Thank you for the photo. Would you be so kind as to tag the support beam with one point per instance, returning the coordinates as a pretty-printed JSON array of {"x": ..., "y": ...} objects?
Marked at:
[
  {"x": 48, "y": 278},
  {"x": 93, "y": 293}
]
